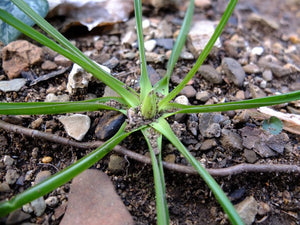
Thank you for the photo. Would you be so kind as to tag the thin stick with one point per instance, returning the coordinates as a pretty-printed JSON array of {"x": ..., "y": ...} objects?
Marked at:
[{"x": 233, "y": 170}]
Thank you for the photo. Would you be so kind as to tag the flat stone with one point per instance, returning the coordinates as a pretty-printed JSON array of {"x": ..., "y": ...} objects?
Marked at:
[
  {"x": 57, "y": 98},
  {"x": 166, "y": 43},
  {"x": 108, "y": 92},
  {"x": 251, "y": 69},
  {"x": 199, "y": 35},
  {"x": 188, "y": 91},
  {"x": 213, "y": 130},
  {"x": 93, "y": 201},
  {"x": 4, "y": 187},
  {"x": 203, "y": 96},
  {"x": 208, "y": 144},
  {"x": 231, "y": 141},
  {"x": 154, "y": 57},
  {"x": 8, "y": 161},
  {"x": 186, "y": 55},
  {"x": 41, "y": 176},
  {"x": 210, "y": 74},
  {"x": 111, "y": 63},
  {"x": 16, "y": 217},
  {"x": 11, "y": 176},
  {"x": 256, "y": 92},
  {"x": 116, "y": 163},
  {"x": 250, "y": 156},
  {"x": 247, "y": 209},
  {"x": 76, "y": 125},
  {"x": 129, "y": 38},
  {"x": 267, "y": 75},
  {"x": 18, "y": 56},
  {"x": 62, "y": 61},
  {"x": 12, "y": 85},
  {"x": 234, "y": 71},
  {"x": 49, "y": 65}
]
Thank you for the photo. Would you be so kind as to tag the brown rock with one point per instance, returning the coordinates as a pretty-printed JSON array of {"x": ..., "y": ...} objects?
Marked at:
[
  {"x": 93, "y": 201},
  {"x": 49, "y": 65},
  {"x": 18, "y": 56}
]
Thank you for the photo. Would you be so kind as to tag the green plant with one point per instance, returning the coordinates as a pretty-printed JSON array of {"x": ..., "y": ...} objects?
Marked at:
[{"x": 148, "y": 109}]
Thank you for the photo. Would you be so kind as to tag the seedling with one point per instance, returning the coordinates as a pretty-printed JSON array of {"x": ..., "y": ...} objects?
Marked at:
[{"x": 147, "y": 110}]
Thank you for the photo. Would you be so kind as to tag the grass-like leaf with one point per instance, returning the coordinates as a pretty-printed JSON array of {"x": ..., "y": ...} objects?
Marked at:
[
  {"x": 145, "y": 83},
  {"x": 202, "y": 56},
  {"x": 63, "y": 176},
  {"x": 164, "y": 128},
  {"x": 245, "y": 104},
  {"x": 163, "y": 85},
  {"x": 159, "y": 181}
]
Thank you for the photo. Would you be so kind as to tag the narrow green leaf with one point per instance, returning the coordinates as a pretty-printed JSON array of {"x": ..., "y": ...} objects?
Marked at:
[
  {"x": 145, "y": 83},
  {"x": 154, "y": 144},
  {"x": 245, "y": 104},
  {"x": 38, "y": 108},
  {"x": 273, "y": 125},
  {"x": 164, "y": 128},
  {"x": 63, "y": 176},
  {"x": 202, "y": 56},
  {"x": 163, "y": 85}
]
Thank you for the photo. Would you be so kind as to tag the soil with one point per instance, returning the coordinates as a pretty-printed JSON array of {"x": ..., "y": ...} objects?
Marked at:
[{"x": 189, "y": 199}]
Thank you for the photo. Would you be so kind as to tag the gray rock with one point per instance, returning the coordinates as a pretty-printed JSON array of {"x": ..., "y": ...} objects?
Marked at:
[
  {"x": 203, "y": 96},
  {"x": 129, "y": 38},
  {"x": 8, "y": 161},
  {"x": 234, "y": 71},
  {"x": 111, "y": 63},
  {"x": 231, "y": 141},
  {"x": 213, "y": 130},
  {"x": 267, "y": 75},
  {"x": 57, "y": 98},
  {"x": 16, "y": 217},
  {"x": 76, "y": 125},
  {"x": 251, "y": 69},
  {"x": 108, "y": 92},
  {"x": 206, "y": 119},
  {"x": 12, "y": 85},
  {"x": 166, "y": 43},
  {"x": 208, "y": 144},
  {"x": 263, "y": 21},
  {"x": 41, "y": 176},
  {"x": 38, "y": 206},
  {"x": 210, "y": 74},
  {"x": 199, "y": 35},
  {"x": 250, "y": 156},
  {"x": 4, "y": 187},
  {"x": 247, "y": 209},
  {"x": 92, "y": 199},
  {"x": 186, "y": 55},
  {"x": 188, "y": 91},
  {"x": 11, "y": 176},
  {"x": 256, "y": 92}
]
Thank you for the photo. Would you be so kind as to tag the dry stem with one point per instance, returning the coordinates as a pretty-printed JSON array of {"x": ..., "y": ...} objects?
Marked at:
[{"x": 237, "y": 169}]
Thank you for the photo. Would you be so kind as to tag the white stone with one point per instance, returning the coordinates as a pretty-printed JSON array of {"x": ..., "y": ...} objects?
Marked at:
[
  {"x": 257, "y": 51},
  {"x": 182, "y": 99},
  {"x": 79, "y": 78},
  {"x": 57, "y": 98},
  {"x": 76, "y": 125},
  {"x": 150, "y": 45},
  {"x": 12, "y": 85},
  {"x": 199, "y": 36},
  {"x": 38, "y": 206}
]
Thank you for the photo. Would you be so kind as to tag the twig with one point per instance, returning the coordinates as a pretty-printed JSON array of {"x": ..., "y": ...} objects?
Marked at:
[{"x": 233, "y": 170}]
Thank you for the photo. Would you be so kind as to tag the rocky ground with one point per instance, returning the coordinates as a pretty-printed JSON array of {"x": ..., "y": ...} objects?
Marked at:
[{"x": 257, "y": 55}]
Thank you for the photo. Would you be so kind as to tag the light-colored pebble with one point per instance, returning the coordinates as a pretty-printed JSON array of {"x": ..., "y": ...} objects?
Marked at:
[
  {"x": 12, "y": 85},
  {"x": 76, "y": 125}
]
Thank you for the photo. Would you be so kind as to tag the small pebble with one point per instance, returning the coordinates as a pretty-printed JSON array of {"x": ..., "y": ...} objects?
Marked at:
[
  {"x": 11, "y": 176},
  {"x": 8, "y": 161},
  {"x": 234, "y": 71},
  {"x": 203, "y": 96},
  {"x": 4, "y": 187},
  {"x": 46, "y": 159},
  {"x": 150, "y": 45},
  {"x": 41, "y": 176},
  {"x": 188, "y": 91},
  {"x": 210, "y": 74},
  {"x": 51, "y": 201},
  {"x": 116, "y": 163},
  {"x": 182, "y": 99},
  {"x": 257, "y": 51},
  {"x": 208, "y": 144},
  {"x": 170, "y": 158},
  {"x": 267, "y": 75}
]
